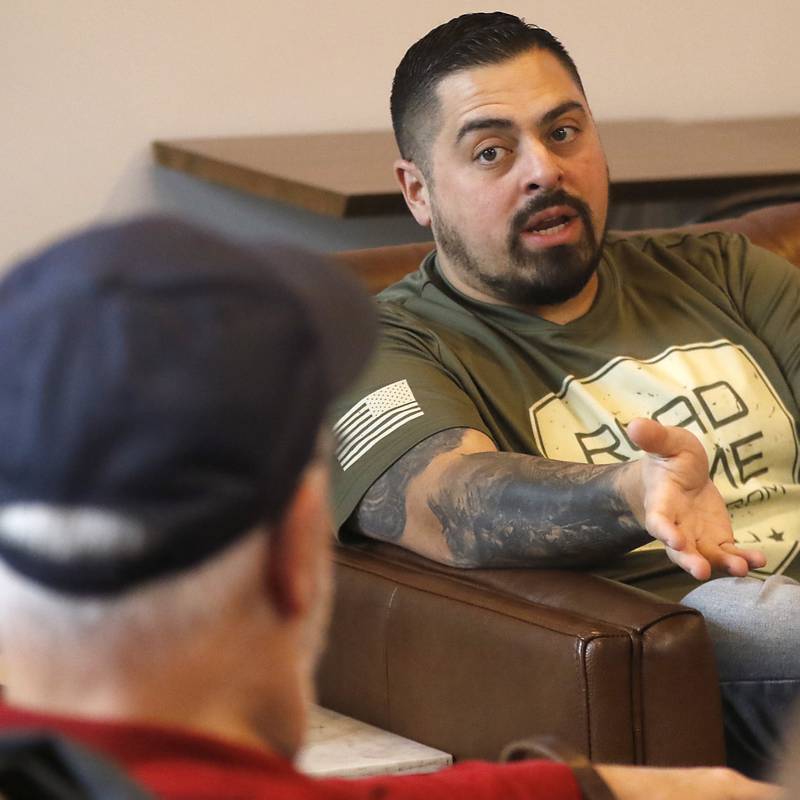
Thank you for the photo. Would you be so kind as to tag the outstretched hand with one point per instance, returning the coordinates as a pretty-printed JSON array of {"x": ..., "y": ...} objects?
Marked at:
[
  {"x": 693, "y": 783},
  {"x": 678, "y": 503}
]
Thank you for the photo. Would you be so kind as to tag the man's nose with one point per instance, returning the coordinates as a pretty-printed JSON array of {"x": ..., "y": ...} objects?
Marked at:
[{"x": 541, "y": 168}]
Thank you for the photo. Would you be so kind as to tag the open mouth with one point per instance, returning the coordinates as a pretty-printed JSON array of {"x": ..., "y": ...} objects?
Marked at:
[{"x": 550, "y": 222}]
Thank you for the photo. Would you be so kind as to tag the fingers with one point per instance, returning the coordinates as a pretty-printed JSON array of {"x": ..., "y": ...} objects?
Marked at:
[
  {"x": 726, "y": 557},
  {"x": 753, "y": 559},
  {"x": 732, "y": 564},
  {"x": 692, "y": 562},
  {"x": 680, "y": 550}
]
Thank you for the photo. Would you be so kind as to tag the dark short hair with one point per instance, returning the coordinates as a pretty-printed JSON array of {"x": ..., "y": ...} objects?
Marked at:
[{"x": 470, "y": 40}]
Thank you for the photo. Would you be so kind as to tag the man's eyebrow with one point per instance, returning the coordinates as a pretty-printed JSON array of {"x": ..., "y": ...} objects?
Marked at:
[
  {"x": 554, "y": 113},
  {"x": 482, "y": 123},
  {"x": 501, "y": 123}
]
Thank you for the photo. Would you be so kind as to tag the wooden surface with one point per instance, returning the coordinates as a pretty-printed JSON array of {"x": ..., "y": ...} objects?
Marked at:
[
  {"x": 350, "y": 174},
  {"x": 339, "y": 746}
]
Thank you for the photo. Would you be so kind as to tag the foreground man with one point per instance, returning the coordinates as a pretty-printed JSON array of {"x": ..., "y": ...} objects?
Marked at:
[
  {"x": 547, "y": 394},
  {"x": 164, "y": 522}
]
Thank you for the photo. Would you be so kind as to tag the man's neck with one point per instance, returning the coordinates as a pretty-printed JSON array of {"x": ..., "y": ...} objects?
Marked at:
[
  {"x": 210, "y": 696},
  {"x": 559, "y": 314}
]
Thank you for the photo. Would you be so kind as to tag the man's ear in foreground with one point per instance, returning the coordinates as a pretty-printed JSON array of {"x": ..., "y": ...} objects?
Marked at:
[{"x": 300, "y": 545}]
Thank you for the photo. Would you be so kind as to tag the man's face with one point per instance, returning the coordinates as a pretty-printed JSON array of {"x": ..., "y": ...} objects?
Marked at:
[{"x": 518, "y": 184}]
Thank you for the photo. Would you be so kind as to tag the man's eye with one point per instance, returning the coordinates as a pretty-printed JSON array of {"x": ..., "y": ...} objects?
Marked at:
[
  {"x": 566, "y": 133},
  {"x": 490, "y": 155}
]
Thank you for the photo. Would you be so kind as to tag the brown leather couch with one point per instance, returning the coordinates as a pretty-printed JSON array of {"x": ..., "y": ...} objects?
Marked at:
[{"x": 468, "y": 660}]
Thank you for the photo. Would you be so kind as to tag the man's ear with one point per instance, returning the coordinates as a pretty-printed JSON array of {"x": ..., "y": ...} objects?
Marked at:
[
  {"x": 415, "y": 190},
  {"x": 294, "y": 550}
]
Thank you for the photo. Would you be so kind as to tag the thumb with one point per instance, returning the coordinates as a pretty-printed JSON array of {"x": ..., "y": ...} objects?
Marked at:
[
  {"x": 665, "y": 442},
  {"x": 652, "y": 437}
]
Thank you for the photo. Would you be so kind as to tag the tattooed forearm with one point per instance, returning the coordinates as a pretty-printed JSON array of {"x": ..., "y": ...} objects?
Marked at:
[
  {"x": 505, "y": 509},
  {"x": 382, "y": 512},
  {"x": 474, "y": 506}
]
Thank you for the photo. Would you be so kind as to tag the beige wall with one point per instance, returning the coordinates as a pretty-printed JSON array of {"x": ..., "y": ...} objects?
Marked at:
[{"x": 86, "y": 84}]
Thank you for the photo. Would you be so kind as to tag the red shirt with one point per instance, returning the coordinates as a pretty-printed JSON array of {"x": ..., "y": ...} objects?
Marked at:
[{"x": 178, "y": 764}]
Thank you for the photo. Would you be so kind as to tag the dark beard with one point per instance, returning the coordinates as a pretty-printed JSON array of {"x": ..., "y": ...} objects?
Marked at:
[{"x": 533, "y": 278}]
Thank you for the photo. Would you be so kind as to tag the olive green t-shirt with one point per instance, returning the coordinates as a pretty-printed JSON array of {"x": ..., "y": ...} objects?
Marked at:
[{"x": 697, "y": 331}]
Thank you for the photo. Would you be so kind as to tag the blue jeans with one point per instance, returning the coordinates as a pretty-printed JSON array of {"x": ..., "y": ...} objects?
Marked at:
[{"x": 755, "y": 628}]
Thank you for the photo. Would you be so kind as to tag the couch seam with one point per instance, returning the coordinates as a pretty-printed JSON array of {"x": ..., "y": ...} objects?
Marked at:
[
  {"x": 389, "y": 610},
  {"x": 580, "y": 655}
]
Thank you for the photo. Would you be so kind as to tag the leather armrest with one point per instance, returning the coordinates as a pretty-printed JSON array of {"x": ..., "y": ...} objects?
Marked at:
[
  {"x": 379, "y": 267},
  {"x": 776, "y": 228},
  {"x": 468, "y": 660}
]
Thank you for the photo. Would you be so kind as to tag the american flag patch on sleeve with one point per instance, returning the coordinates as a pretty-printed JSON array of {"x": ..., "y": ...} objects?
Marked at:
[{"x": 373, "y": 418}]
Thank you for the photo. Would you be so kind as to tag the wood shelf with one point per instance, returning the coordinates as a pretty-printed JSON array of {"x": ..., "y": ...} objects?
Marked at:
[{"x": 350, "y": 174}]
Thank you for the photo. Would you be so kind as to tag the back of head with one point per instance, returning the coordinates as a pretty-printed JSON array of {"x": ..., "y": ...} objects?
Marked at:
[
  {"x": 161, "y": 391},
  {"x": 468, "y": 41}
]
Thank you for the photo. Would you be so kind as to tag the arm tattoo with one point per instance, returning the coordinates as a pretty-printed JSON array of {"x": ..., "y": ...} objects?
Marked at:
[
  {"x": 382, "y": 511},
  {"x": 508, "y": 509}
]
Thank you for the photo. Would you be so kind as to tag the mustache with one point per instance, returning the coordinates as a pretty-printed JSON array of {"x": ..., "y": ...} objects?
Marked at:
[{"x": 556, "y": 197}]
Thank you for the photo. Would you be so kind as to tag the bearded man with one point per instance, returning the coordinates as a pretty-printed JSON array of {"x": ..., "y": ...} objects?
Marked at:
[{"x": 550, "y": 394}]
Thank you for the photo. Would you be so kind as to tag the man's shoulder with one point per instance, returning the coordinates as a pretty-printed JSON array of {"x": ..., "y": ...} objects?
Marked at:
[
  {"x": 419, "y": 302},
  {"x": 684, "y": 240},
  {"x": 680, "y": 251},
  {"x": 411, "y": 285}
]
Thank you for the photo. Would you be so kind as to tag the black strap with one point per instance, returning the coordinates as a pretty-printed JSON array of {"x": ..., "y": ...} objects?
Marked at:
[
  {"x": 46, "y": 766},
  {"x": 592, "y": 786}
]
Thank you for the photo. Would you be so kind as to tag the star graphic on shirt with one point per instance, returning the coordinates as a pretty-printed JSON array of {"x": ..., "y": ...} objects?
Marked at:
[{"x": 776, "y": 536}]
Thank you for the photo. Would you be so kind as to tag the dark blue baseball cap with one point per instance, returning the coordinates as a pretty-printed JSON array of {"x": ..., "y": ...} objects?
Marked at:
[{"x": 162, "y": 381}]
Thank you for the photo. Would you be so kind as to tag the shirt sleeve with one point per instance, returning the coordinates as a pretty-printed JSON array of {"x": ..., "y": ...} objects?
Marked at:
[{"x": 405, "y": 395}]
